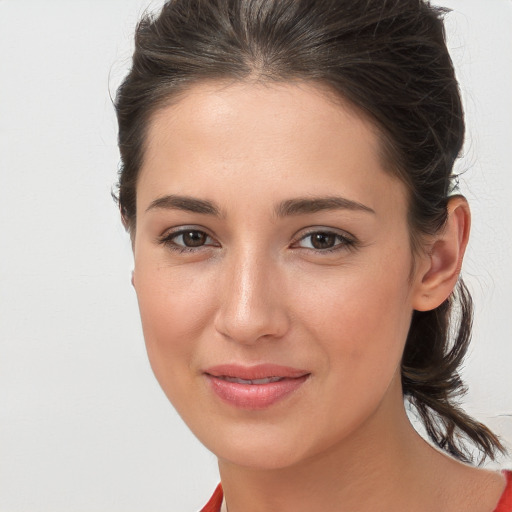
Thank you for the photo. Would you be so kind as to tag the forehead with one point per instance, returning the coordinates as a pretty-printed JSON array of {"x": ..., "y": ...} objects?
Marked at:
[
  {"x": 243, "y": 137},
  {"x": 215, "y": 110}
]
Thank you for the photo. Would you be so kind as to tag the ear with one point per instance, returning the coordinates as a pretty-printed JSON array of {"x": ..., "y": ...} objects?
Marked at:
[{"x": 439, "y": 269}]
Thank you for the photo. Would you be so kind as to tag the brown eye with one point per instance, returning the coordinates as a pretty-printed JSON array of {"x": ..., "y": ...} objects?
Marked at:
[
  {"x": 323, "y": 240},
  {"x": 187, "y": 240},
  {"x": 192, "y": 238}
]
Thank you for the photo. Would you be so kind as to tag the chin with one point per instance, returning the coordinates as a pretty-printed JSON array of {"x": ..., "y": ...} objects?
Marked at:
[
  {"x": 263, "y": 447},
  {"x": 259, "y": 458}
]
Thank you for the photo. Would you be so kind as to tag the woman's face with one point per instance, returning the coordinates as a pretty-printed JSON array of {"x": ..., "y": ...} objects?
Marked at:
[{"x": 272, "y": 269}]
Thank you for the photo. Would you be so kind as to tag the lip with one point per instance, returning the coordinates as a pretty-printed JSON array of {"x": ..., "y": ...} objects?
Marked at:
[{"x": 227, "y": 382}]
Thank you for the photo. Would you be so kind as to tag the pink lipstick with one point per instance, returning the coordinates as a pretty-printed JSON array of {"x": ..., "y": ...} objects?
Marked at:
[{"x": 254, "y": 387}]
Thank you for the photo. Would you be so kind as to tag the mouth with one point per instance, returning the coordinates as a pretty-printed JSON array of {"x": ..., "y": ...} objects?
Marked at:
[
  {"x": 266, "y": 380},
  {"x": 254, "y": 387}
]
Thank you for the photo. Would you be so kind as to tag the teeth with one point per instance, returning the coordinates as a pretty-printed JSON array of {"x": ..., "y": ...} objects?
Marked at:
[{"x": 266, "y": 380}]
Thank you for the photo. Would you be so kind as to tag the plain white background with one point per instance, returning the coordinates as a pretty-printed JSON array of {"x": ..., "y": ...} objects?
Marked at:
[{"x": 83, "y": 424}]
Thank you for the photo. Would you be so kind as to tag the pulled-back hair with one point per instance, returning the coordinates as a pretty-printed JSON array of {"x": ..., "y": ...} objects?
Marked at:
[{"x": 389, "y": 59}]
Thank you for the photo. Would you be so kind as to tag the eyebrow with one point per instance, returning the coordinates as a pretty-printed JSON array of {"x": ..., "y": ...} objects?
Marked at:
[
  {"x": 306, "y": 205},
  {"x": 289, "y": 207},
  {"x": 185, "y": 203}
]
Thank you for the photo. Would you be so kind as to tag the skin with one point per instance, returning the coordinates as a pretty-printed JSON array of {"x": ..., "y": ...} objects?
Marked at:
[{"x": 257, "y": 291}]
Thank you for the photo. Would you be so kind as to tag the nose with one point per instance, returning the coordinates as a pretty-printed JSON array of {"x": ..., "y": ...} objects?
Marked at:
[{"x": 252, "y": 300}]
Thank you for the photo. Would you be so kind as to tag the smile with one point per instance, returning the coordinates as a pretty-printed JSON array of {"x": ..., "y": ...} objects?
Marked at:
[{"x": 256, "y": 387}]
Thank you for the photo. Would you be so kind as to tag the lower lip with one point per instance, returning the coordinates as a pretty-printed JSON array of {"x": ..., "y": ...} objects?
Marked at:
[{"x": 254, "y": 396}]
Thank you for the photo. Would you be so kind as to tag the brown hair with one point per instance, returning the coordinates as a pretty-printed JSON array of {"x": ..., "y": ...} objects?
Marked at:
[{"x": 389, "y": 59}]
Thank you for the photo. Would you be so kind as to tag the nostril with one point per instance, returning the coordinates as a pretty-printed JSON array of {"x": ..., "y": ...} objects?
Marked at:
[{"x": 249, "y": 324}]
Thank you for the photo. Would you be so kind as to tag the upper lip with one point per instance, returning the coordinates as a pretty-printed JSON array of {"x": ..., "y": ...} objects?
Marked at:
[{"x": 259, "y": 371}]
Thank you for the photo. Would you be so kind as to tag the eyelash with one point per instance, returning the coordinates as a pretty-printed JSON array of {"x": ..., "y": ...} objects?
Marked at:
[
  {"x": 344, "y": 242},
  {"x": 168, "y": 240}
]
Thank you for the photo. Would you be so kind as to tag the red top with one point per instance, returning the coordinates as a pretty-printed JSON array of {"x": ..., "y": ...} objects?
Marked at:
[
  {"x": 504, "y": 505},
  {"x": 215, "y": 501}
]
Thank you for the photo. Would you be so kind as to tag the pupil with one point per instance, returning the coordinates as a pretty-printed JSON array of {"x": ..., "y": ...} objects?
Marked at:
[
  {"x": 194, "y": 238},
  {"x": 323, "y": 240}
]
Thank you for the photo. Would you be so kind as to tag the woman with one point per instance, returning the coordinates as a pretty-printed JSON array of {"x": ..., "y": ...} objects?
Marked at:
[{"x": 287, "y": 183}]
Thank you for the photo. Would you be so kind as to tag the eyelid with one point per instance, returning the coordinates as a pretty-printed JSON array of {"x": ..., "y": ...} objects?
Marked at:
[
  {"x": 349, "y": 241},
  {"x": 168, "y": 236}
]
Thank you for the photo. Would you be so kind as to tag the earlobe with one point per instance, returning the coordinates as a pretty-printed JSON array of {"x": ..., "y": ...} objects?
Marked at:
[{"x": 438, "y": 276}]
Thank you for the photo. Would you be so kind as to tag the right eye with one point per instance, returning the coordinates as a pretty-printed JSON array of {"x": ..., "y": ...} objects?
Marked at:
[{"x": 186, "y": 240}]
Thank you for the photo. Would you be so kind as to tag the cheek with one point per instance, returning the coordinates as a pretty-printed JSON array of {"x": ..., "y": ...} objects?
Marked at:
[
  {"x": 175, "y": 307},
  {"x": 360, "y": 327},
  {"x": 361, "y": 320}
]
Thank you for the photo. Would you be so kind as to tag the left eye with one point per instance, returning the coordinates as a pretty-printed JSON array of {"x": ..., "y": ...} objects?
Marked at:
[{"x": 323, "y": 240}]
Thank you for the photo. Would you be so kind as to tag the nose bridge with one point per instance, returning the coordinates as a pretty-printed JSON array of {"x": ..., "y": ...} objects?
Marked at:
[{"x": 251, "y": 305}]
